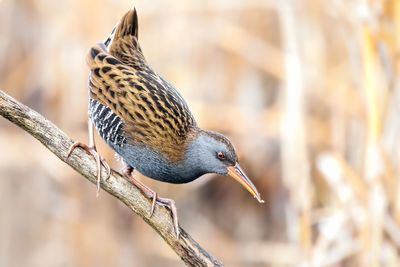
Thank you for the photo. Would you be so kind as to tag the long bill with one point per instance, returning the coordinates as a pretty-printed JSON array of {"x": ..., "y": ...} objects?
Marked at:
[{"x": 238, "y": 174}]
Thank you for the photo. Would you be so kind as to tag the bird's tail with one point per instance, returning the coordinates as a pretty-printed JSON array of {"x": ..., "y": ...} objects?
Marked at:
[
  {"x": 128, "y": 25},
  {"x": 125, "y": 33}
]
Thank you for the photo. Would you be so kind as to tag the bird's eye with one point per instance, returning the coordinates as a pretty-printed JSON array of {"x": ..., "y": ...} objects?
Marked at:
[{"x": 221, "y": 155}]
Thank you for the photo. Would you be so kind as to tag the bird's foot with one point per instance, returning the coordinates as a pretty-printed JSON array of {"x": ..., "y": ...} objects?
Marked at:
[
  {"x": 99, "y": 160},
  {"x": 151, "y": 194},
  {"x": 170, "y": 204},
  {"x": 166, "y": 202}
]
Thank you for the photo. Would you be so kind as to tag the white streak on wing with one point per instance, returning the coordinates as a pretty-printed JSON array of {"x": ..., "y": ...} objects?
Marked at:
[
  {"x": 118, "y": 125},
  {"x": 109, "y": 133},
  {"x": 110, "y": 113},
  {"x": 95, "y": 112},
  {"x": 101, "y": 110},
  {"x": 115, "y": 117},
  {"x": 94, "y": 108},
  {"x": 104, "y": 126}
]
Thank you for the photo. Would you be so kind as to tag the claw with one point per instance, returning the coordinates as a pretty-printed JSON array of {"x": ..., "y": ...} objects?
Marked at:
[
  {"x": 153, "y": 204},
  {"x": 169, "y": 203},
  {"x": 99, "y": 161}
]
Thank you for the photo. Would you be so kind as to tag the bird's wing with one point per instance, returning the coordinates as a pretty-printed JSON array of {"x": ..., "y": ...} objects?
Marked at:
[{"x": 152, "y": 110}]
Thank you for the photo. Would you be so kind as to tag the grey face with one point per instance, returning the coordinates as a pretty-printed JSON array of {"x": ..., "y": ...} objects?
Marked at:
[{"x": 211, "y": 152}]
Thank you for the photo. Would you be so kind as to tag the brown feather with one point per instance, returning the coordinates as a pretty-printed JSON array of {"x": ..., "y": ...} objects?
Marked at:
[{"x": 153, "y": 112}]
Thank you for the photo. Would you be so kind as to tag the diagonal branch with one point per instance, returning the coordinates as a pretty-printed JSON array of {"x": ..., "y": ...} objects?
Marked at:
[{"x": 58, "y": 143}]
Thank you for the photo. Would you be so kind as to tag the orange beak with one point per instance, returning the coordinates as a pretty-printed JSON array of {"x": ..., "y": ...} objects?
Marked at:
[{"x": 236, "y": 173}]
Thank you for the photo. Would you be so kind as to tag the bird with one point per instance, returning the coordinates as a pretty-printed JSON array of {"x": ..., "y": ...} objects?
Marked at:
[{"x": 146, "y": 121}]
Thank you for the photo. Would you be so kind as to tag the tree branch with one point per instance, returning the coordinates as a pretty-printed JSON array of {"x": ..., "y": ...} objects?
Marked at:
[{"x": 58, "y": 143}]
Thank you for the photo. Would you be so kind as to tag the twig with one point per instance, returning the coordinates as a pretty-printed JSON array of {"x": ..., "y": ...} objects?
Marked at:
[{"x": 58, "y": 143}]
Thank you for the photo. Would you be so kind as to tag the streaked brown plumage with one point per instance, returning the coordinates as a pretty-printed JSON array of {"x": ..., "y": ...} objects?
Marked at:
[
  {"x": 147, "y": 122},
  {"x": 153, "y": 113}
]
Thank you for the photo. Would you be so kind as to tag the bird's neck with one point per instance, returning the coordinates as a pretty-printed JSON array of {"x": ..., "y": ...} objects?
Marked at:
[
  {"x": 194, "y": 162},
  {"x": 196, "y": 156}
]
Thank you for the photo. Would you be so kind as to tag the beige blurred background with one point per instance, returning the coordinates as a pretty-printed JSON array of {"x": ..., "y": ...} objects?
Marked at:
[{"x": 308, "y": 90}]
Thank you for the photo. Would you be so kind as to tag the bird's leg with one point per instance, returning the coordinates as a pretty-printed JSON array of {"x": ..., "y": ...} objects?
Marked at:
[
  {"x": 127, "y": 171},
  {"x": 150, "y": 193},
  {"x": 91, "y": 149}
]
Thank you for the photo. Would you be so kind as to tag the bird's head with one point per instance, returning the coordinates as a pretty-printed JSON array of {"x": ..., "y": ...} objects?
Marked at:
[{"x": 212, "y": 152}]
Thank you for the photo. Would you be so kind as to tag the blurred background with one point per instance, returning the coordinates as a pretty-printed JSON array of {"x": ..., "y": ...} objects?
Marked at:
[{"x": 308, "y": 91}]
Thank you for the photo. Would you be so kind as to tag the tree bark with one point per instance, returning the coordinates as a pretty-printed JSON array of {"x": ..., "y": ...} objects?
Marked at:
[{"x": 58, "y": 143}]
